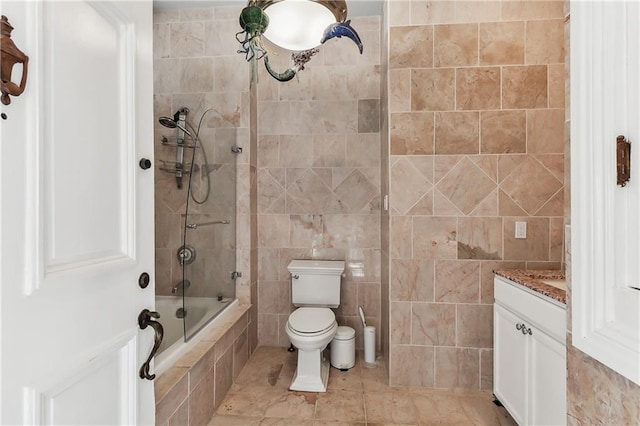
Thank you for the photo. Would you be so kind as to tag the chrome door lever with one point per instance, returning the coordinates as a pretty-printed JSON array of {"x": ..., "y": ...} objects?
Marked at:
[{"x": 146, "y": 319}]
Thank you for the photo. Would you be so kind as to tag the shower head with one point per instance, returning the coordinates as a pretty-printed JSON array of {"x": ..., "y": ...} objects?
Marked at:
[
  {"x": 172, "y": 124},
  {"x": 168, "y": 122}
]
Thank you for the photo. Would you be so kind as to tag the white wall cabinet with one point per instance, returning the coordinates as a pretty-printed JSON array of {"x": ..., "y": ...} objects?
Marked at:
[{"x": 529, "y": 355}]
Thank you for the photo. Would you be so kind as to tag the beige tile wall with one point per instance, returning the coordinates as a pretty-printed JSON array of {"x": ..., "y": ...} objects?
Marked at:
[
  {"x": 319, "y": 177},
  {"x": 595, "y": 393},
  {"x": 476, "y": 100}
]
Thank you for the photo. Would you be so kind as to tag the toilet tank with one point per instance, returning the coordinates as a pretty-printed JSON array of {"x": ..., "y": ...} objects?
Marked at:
[{"x": 316, "y": 282}]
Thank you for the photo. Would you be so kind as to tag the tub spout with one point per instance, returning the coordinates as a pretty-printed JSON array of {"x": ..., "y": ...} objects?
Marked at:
[{"x": 180, "y": 287}]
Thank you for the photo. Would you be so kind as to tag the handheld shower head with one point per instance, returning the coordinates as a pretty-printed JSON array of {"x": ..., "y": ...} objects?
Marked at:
[
  {"x": 168, "y": 122},
  {"x": 172, "y": 124}
]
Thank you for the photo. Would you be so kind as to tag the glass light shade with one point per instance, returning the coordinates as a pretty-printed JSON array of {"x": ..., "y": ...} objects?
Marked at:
[{"x": 297, "y": 24}]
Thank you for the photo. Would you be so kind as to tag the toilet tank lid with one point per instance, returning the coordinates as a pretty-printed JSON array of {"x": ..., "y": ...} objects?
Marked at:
[{"x": 324, "y": 267}]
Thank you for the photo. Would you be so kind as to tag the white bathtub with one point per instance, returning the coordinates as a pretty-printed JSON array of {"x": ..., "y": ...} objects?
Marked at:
[{"x": 200, "y": 311}]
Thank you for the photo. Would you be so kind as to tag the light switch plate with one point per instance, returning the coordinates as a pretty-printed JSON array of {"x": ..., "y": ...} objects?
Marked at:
[{"x": 521, "y": 230}]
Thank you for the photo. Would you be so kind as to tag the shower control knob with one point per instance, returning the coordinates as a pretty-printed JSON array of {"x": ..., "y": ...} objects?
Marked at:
[{"x": 145, "y": 163}]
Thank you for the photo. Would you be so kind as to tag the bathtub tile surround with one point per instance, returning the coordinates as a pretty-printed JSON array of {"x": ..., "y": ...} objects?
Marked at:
[
  {"x": 189, "y": 392},
  {"x": 360, "y": 395},
  {"x": 475, "y": 124},
  {"x": 319, "y": 178}
]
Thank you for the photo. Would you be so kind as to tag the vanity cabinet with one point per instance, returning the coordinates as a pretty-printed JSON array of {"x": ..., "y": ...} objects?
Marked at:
[{"x": 529, "y": 354}]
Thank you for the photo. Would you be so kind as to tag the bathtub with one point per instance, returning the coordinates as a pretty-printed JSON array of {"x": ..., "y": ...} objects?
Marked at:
[{"x": 202, "y": 312}]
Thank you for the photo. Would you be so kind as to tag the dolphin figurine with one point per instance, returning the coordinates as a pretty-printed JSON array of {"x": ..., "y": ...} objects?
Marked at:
[{"x": 339, "y": 29}]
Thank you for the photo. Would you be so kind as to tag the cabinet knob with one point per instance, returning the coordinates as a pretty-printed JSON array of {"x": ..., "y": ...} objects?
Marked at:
[{"x": 524, "y": 329}]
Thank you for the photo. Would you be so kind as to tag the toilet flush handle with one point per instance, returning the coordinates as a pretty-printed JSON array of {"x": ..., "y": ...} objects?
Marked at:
[{"x": 295, "y": 277}]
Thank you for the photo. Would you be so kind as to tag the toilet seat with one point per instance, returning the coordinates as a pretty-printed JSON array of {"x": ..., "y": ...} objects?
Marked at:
[{"x": 311, "y": 322}]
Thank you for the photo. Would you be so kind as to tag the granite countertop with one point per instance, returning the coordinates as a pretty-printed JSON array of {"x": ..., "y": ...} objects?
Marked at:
[{"x": 550, "y": 283}]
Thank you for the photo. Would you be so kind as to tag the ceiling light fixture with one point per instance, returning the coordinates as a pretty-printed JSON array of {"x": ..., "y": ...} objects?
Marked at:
[{"x": 296, "y": 25}]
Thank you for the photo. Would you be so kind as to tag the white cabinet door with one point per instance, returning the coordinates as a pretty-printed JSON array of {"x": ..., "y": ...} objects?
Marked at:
[
  {"x": 77, "y": 215},
  {"x": 510, "y": 363},
  {"x": 547, "y": 400},
  {"x": 529, "y": 355}
]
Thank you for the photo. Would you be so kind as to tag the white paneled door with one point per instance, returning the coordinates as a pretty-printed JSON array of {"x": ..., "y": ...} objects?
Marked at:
[
  {"x": 76, "y": 223},
  {"x": 605, "y": 225}
]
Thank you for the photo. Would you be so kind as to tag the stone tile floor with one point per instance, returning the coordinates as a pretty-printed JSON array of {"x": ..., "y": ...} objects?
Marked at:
[{"x": 359, "y": 396}]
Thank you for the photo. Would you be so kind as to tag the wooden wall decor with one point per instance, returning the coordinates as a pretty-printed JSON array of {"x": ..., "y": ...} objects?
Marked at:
[{"x": 9, "y": 56}]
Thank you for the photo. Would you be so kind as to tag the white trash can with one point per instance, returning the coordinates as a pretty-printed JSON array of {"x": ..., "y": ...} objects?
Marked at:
[{"x": 343, "y": 348}]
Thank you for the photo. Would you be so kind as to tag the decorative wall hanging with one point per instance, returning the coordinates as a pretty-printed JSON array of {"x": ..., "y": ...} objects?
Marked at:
[{"x": 9, "y": 56}]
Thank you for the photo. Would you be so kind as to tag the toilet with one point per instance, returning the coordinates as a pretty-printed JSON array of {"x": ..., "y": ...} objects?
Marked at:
[{"x": 315, "y": 288}]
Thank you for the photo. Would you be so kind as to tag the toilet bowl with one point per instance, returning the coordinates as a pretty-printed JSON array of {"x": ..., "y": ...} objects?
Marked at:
[{"x": 310, "y": 330}]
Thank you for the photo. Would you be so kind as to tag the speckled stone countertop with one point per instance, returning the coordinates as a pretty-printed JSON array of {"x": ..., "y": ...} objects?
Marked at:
[{"x": 532, "y": 279}]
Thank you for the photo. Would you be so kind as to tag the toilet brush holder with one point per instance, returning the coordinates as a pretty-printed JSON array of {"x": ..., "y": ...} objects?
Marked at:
[{"x": 370, "y": 344}]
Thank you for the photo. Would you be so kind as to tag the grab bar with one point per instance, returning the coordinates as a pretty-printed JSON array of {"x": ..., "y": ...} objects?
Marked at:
[{"x": 215, "y": 222}]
